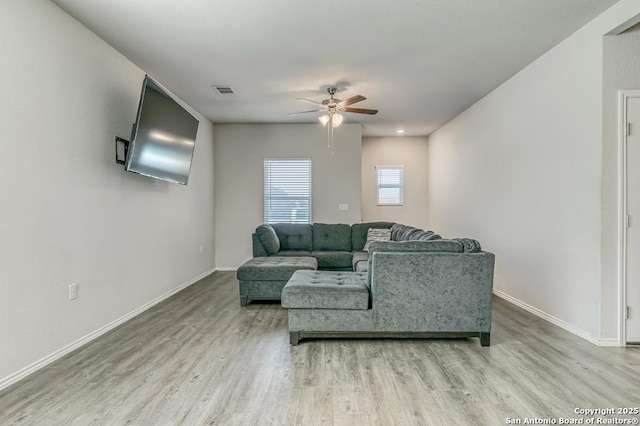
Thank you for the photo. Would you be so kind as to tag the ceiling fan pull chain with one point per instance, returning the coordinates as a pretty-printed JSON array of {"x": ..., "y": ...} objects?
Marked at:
[{"x": 331, "y": 139}]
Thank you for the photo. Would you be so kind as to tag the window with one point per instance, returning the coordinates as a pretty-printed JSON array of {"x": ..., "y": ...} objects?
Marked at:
[
  {"x": 390, "y": 185},
  {"x": 287, "y": 191}
]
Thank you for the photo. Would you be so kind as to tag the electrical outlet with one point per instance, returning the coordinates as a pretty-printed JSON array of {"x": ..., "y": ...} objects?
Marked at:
[
  {"x": 343, "y": 207},
  {"x": 73, "y": 291},
  {"x": 201, "y": 249}
]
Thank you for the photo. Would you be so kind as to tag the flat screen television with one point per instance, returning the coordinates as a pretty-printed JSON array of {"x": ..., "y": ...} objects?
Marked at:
[{"x": 163, "y": 136}]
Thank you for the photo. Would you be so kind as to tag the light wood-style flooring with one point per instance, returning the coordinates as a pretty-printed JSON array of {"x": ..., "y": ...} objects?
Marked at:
[{"x": 198, "y": 358}]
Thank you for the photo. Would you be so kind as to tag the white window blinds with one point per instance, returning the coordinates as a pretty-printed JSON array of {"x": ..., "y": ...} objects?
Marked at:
[
  {"x": 390, "y": 185},
  {"x": 287, "y": 191}
]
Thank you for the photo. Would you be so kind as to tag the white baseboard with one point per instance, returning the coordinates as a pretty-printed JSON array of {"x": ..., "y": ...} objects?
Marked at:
[
  {"x": 227, "y": 268},
  {"x": 21, "y": 374},
  {"x": 557, "y": 321},
  {"x": 609, "y": 341}
]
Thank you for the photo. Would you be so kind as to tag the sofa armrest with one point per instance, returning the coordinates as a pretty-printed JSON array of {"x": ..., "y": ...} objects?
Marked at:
[
  {"x": 416, "y": 291},
  {"x": 258, "y": 248}
]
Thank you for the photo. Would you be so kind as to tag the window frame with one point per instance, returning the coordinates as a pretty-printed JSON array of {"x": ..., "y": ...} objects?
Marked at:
[
  {"x": 266, "y": 199},
  {"x": 400, "y": 185}
]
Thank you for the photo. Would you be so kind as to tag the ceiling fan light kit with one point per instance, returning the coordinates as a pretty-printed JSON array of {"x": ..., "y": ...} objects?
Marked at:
[
  {"x": 333, "y": 107},
  {"x": 335, "y": 119},
  {"x": 324, "y": 119}
]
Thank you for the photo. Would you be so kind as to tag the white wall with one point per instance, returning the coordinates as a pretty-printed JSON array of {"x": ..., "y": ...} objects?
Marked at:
[
  {"x": 240, "y": 150},
  {"x": 69, "y": 213},
  {"x": 521, "y": 172},
  {"x": 412, "y": 153},
  {"x": 621, "y": 71}
]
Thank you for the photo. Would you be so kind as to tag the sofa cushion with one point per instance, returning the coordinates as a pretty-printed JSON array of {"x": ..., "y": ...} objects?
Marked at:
[
  {"x": 333, "y": 259},
  {"x": 274, "y": 268},
  {"x": 402, "y": 232},
  {"x": 269, "y": 239},
  {"x": 294, "y": 236},
  {"x": 359, "y": 261},
  {"x": 326, "y": 290},
  {"x": 395, "y": 228},
  {"x": 470, "y": 246},
  {"x": 377, "y": 235},
  {"x": 445, "y": 246},
  {"x": 423, "y": 236},
  {"x": 331, "y": 237},
  {"x": 359, "y": 233},
  {"x": 408, "y": 233},
  {"x": 294, "y": 253},
  {"x": 362, "y": 266},
  {"x": 429, "y": 236}
]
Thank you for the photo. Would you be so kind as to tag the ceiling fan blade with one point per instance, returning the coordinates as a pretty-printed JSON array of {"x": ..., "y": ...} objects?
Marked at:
[
  {"x": 308, "y": 100},
  {"x": 352, "y": 100},
  {"x": 361, "y": 110},
  {"x": 304, "y": 112}
]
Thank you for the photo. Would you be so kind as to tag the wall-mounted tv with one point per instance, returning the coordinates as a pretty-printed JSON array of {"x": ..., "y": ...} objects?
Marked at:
[{"x": 163, "y": 136}]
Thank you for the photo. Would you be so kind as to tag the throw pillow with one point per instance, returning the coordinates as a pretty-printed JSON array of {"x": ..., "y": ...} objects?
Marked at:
[
  {"x": 376, "y": 234},
  {"x": 470, "y": 245}
]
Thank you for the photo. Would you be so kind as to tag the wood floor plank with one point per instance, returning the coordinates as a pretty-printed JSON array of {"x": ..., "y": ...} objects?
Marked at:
[{"x": 199, "y": 358}]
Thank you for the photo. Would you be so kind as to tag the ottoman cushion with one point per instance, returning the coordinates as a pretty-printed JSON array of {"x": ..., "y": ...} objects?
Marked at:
[
  {"x": 326, "y": 290},
  {"x": 274, "y": 268}
]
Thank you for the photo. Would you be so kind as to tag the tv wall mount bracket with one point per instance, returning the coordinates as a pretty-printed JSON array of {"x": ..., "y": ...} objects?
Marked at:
[{"x": 122, "y": 149}]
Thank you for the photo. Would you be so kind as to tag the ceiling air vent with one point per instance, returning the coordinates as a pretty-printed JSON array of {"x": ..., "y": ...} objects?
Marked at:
[{"x": 224, "y": 90}]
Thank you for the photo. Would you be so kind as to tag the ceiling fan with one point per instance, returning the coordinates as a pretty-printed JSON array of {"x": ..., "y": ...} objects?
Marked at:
[{"x": 334, "y": 106}]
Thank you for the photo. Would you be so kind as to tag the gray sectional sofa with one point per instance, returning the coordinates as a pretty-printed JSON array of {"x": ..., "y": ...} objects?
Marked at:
[
  {"x": 336, "y": 247},
  {"x": 280, "y": 249},
  {"x": 439, "y": 288},
  {"x": 414, "y": 285}
]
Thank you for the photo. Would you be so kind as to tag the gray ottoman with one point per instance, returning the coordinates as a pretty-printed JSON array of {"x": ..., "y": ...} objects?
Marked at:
[
  {"x": 326, "y": 290},
  {"x": 263, "y": 278},
  {"x": 327, "y": 301}
]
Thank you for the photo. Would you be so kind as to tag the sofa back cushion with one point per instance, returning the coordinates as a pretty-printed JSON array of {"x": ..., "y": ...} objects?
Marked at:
[
  {"x": 294, "y": 236},
  {"x": 359, "y": 233},
  {"x": 331, "y": 237},
  {"x": 442, "y": 246},
  {"x": 470, "y": 246},
  {"x": 424, "y": 236},
  {"x": 395, "y": 228},
  {"x": 269, "y": 239},
  {"x": 403, "y": 232}
]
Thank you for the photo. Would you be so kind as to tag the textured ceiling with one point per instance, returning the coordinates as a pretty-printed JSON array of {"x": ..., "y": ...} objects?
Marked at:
[{"x": 420, "y": 62}]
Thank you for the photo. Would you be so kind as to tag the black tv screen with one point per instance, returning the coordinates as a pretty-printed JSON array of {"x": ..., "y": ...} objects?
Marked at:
[{"x": 163, "y": 136}]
